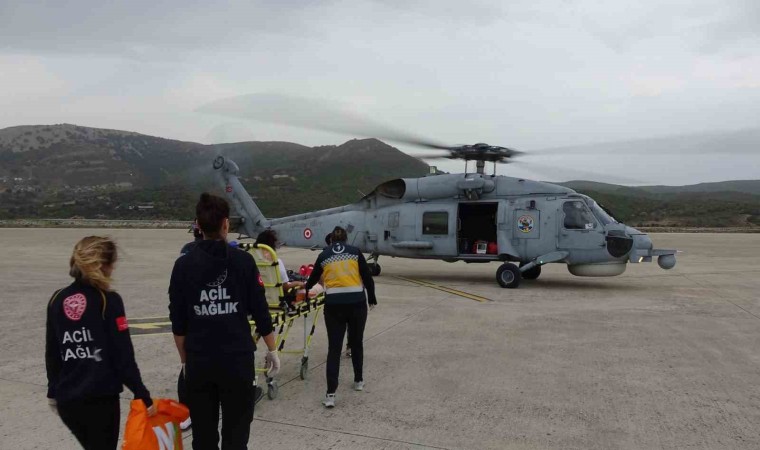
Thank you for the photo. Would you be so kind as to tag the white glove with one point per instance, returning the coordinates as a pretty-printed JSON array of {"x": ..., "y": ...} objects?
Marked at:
[
  {"x": 152, "y": 409},
  {"x": 272, "y": 363},
  {"x": 53, "y": 405}
]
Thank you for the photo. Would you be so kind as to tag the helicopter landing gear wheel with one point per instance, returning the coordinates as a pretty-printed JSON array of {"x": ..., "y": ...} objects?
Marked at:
[
  {"x": 532, "y": 273},
  {"x": 508, "y": 276},
  {"x": 374, "y": 269}
]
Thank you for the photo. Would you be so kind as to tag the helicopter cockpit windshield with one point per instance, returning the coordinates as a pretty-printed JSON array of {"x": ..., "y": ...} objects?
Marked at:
[{"x": 603, "y": 215}]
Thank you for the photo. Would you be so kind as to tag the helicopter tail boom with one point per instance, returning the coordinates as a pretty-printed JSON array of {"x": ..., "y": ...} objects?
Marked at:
[{"x": 253, "y": 219}]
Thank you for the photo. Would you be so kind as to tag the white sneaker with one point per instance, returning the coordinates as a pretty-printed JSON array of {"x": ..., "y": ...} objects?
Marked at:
[
  {"x": 185, "y": 425},
  {"x": 358, "y": 385},
  {"x": 329, "y": 401}
]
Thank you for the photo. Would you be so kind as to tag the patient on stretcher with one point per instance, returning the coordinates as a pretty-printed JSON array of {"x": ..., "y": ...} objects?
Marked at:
[{"x": 292, "y": 284}]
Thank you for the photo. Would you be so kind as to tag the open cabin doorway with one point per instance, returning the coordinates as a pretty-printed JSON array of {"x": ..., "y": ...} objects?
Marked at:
[{"x": 476, "y": 233}]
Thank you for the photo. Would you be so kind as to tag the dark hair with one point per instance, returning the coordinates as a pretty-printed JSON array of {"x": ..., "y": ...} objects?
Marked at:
[
  {"x": 339, "y": 235},
  {"x": 210, "y": 213},
  {"x": 197, "y": 231},
  {"x": 267, "y": 237},
  {"x": 328, "y": 239}
]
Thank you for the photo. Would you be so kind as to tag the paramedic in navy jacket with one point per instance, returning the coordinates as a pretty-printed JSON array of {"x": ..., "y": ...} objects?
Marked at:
[
  {"x": 89, "y": 353},
  {"x": 214, "y": 288}
]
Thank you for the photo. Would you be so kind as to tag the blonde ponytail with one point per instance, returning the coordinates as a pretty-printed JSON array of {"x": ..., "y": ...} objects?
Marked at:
[{"x": 90, "y": 256}]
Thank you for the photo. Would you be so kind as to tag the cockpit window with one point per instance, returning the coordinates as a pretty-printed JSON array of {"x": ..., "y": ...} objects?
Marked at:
[
  {"x": 603, "y": 214},
  {"x": 577, "y": 216}
]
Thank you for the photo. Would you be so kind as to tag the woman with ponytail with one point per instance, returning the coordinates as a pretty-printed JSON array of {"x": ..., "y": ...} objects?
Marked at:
[{"x": 89, "y": 353}]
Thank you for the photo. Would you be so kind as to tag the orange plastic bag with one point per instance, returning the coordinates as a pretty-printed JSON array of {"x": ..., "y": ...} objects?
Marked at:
[{"x": 160, "y": 432}]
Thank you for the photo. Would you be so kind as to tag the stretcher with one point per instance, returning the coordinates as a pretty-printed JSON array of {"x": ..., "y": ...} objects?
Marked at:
[{"x": 284, "y": 315}]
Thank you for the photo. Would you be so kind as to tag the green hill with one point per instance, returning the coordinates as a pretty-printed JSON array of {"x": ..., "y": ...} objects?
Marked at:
[
  {"x": 67, "y": 170},
  {"x": 676, "y": 206},
  {"x": 61, "y": 171}
]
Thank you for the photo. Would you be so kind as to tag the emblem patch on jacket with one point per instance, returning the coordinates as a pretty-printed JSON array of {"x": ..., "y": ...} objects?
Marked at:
[{"x": 74, "y": 306}]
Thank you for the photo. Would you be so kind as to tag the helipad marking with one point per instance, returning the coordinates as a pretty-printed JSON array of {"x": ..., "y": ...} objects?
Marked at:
[
  {"x": 150, "y": 325},
  {"x": 448, "y": 290},
  {"x": 159, "y": 325}
]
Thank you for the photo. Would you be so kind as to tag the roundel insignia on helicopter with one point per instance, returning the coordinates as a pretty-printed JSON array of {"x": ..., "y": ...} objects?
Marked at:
[
  {"x": 307, "y": 233},
  {"x": 525, "y": 223},
  {"x": 228, "y": 188}
]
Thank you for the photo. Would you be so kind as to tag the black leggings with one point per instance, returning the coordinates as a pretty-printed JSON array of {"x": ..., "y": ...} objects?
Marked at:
[
  {"x": 224, "y": 380},
  {"x": 94, "y": 421},
  {"x": 338, "y": 319}
]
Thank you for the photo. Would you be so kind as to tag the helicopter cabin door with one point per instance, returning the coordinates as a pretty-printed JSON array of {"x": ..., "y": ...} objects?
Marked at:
[
  {"x": 578, "y": 228},
  {"x": 436, "y": 229},
  {"x": 477, "y": 229}
]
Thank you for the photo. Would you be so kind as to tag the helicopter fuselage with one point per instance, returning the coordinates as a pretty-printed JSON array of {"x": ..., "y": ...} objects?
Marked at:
[{"x": 473, "y": 218}]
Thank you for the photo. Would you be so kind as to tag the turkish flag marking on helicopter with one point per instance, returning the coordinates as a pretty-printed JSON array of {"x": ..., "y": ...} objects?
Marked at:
[
  {"x": 229, "y": 188},
  {"x": 307, "y": 233}
]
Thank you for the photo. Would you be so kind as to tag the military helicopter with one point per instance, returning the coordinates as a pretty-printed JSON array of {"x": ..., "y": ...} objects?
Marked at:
[{"x": 473, "y": 217}]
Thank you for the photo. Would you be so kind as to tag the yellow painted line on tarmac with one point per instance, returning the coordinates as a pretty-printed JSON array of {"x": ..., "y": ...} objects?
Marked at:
[
  {"x": 149, "y": 326},
  {"x": 143, "y": 326},
  {"x": 160, "y": 325},
  {"x": 448, "y": 290}
]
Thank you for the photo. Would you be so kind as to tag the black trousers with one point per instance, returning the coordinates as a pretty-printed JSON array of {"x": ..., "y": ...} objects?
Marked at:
[
  {"x": 224, "y": 380},
  {"x": 94, "y": 421},
  {"x": 338, "y": 319}
]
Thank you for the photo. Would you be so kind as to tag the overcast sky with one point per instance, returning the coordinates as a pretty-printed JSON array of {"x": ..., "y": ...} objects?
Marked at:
[{"x": 528, "y": 74}]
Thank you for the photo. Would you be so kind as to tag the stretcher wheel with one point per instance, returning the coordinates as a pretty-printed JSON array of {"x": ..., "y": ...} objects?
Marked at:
[
  {"x": 272, "y": 390},
  {"x": 258, "y": 394},
  {"x": 304, "y": 368},
  {"x": 374, "y": 269}
]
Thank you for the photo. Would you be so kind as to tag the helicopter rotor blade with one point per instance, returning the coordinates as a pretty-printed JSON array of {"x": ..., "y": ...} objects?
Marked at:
[
  {"x": 569, "y": 174},
  {"x": 429, "y": 155},
  {"x": 709, "y": 144},
  {"x": 311, "y": 114}
]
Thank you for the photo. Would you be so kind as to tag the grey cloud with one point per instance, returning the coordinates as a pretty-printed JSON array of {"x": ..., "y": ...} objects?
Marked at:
[
  {"x": 143, "y": 29},
  {"x": 738, "y": 27},
  {"x": 701, "y": 25},
  {"x": 529, "y": 74}
]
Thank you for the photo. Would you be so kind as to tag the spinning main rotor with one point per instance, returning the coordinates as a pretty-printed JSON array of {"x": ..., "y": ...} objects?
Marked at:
[{"x": 313, "y": 114}]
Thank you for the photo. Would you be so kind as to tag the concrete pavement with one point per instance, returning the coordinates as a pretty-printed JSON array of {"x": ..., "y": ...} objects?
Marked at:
[{"x": 650, "y": 359}]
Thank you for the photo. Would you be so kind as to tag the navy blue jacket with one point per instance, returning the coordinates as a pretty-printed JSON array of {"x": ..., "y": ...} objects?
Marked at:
[
  {"x": 214, "y": 288},
  {"x": 89, "y": 352}
]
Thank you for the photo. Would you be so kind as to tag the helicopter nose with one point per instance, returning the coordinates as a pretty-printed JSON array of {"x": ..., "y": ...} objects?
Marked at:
[
  {"x": 642, "y": 245},
  {"x": 628, "y": 242},
  {"x": 641, "y": 241}
]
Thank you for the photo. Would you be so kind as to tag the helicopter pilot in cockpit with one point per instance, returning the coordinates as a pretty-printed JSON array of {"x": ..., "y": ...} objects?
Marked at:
[{"x": 577, "y": 217}]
